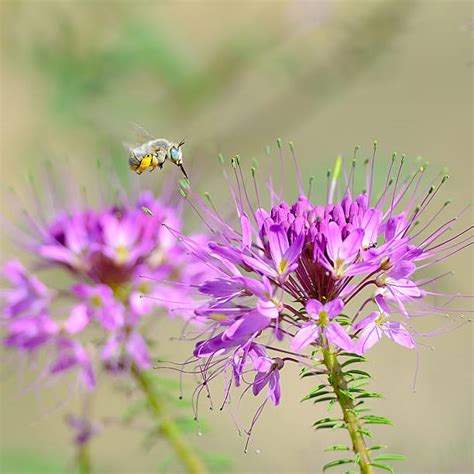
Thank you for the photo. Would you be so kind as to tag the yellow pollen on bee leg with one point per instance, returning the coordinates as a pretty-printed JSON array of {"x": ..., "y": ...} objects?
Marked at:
[{"x": 146, "y": 162}]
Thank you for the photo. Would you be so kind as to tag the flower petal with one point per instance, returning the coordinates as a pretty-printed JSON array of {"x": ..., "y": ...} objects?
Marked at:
[
  {"x": 138, "y": 351},
  {"x": 304, "y": 337},
  {"x": 313, "y": 308},
  {"x": 399, "y": 334},
  {"x": 278, "y": 243},
  {"x": 367, "y": 338},
  {"x": 334, "y": 240},
  {"x": 78, "y": 319},
  {"x": 334, "y": 308},
  {"x": 336, "y": 334},
  {"x": 351, "y": 245},
  {"x": 366, "y": 321}
]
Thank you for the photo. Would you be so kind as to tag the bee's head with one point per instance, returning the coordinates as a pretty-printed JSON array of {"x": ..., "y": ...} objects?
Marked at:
[{"x": 176, "y": 155}]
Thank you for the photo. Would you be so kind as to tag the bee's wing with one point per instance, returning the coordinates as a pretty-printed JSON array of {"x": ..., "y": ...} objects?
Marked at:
[
  {"x": 128, "y": 146},
  {"x": 141, "y": 132}
]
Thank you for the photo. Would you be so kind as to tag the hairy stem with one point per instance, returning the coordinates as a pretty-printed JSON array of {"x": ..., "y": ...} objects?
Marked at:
[
  {"x": 168, "y": 428},
  {"x": 83, "y": 458},
  {"x": 339, "y": 384}
]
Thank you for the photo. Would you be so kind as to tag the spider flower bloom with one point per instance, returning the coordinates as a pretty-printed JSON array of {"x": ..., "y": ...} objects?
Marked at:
[
  {"x": 106, "y": 253},
  {"x": 290, "y": 273}
]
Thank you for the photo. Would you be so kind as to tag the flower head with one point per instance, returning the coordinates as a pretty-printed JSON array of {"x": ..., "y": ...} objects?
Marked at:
[
  {"x": 122, "y": 265},
  {"x": 287, "y": 271}
]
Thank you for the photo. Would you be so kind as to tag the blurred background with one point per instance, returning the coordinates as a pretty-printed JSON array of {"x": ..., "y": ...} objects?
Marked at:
[{"x": 231, "y": 77}]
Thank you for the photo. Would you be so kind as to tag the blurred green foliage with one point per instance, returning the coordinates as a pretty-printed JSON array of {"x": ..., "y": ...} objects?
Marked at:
[{"x": 30, "y": 463}]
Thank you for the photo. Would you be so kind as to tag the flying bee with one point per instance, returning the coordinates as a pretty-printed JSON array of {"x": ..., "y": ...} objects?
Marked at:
[{"x": 154, "y": 153}]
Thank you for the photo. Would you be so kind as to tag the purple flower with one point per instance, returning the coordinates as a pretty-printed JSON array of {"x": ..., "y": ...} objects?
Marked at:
[
  {"x": 342, "y": 253},
  {"x": 27, "y": 294},
  {"x": 374, "y": 326},
  {"x": 83, "y": 428},
  {"x": 71, "y": 354},
  {"x": 125, "y": 348},
  {"x": 268, "y": 374},
  {"x": 284, "y": 272},
  {"x": 30, "y": 332},
  {"x": 99, "y": 303},
  {"x": 121, "y": 268},
  {"x": 323, "y": 326}
]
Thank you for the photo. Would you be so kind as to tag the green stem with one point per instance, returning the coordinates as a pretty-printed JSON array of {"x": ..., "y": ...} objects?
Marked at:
[
  {"x": 84, "y": 459},
  {"x": 353, "y": 426},
  {"x": 168, "y": 427}
]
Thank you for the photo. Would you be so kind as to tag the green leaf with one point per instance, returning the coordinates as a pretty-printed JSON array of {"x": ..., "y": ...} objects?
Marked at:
[
  {"x": 346, "y": 393},
  {"x": 357, "y": 390},
  {"x": 354, "y": 360},
  {"x": 365, "y": 433},
  {"x": 367, "y": 394},
  {"x": 358, "y": 384},
  {"x": 325, "y": 420},
  {"x": 325, "y": 426},
  {"x": 338, "y": 447},
  {"x": 312, "y": 396},
  {"x": 354, "y": 355},
  {"x": 339, "y": 462},
  {"x": 386, "y": 467},
  {"x": 324, "y": 399},
  {"x": 315, "y": 392},
  {"x": 309, "y": 373},
  {"x": 390, "y": 457},
  {"x": 358, "y": 372},
  {"x": 376, "y": 420},
  {"x": 377, "y": 446},
  {"x": 331, "y": 404}
]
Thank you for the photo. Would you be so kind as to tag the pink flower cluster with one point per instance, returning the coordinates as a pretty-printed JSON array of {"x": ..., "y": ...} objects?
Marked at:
[
  {"x": 122, "y": 266},
  {"x": 307, "y": 274}
]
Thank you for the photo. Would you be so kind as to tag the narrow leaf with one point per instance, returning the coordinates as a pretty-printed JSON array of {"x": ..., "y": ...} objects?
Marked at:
[
  {"x": 358, "y": 372},
  {"x": 366, "y": 433},
  {"x": 324, "y": 399},
  {"x": 355, "y": 360},
  {"x": 346, "y": 393},
  {"x": 325, "y": 420},
  {"x": 386, "y": 467},
  {"x": 390, "y": 457},
  {"x": 377, "y": 446},
  {"x": 325, "y": 426},
  {"x": 339, "y": 462},
  {"x": 312, "y": 396},
  {"x": 338, "y": 447},
  {"x": 376, "y": 420}
]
